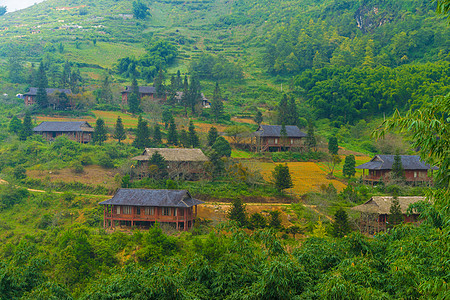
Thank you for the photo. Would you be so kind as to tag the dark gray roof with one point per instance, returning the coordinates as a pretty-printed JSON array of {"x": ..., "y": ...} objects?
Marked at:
[
  {"x": 142, "y": 90},
  {"x": 143, "y": 197},
  {"x": 33, "y": 91},
  {"x": 385, "y": 162},
  {"x": 63, "y": 126},
  {"x": 275, "y": 131}
]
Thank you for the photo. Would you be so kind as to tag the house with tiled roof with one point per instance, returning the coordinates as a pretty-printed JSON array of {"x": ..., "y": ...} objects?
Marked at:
[
  {"x": 31, "y": 95},
  {"x": 80, "y": 131},
  {"x": 144, "y": 207},
  {"x": 271, "y": 138}
]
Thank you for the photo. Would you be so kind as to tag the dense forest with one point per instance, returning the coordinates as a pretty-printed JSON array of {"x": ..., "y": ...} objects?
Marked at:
[{"x": 360, "y": 77}]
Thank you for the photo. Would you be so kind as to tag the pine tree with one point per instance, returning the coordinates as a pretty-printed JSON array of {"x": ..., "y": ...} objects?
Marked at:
[
  {"x": 311, "y": 142},
  {"x": 257, "y": 221},
  {"x": 100, "y": 133},
  {"x": 184, "y": 138},
  {"x": 142, "y": 139},
  {"x": 341, "y": 226},
  {"x": 222, "y": 147},
  {"x": 119, "y": 132},
  {"x": 292, "y": 117},
  {"x": 275, "y": 220},
  {"x": 158, "y": 164},
  {"x": 333, "y": 146},
  {"x": 217, "y": 163},
  {"x": 41, "y": 96},
  {"x": 172, "y": 135},
  {"x": 283, "y": 112},
  {"x": 157, "y": 136},
  {"x": 282, "y": 177},
  {"x": 398, "y": 174},
  {"x": 194, "y": 141},
  {"x": 194, "y": 95},
  {"x": 258, "y": 118},
  {"x": 395, "y": 212},
  {"x": 213, "y": 134},
  {"x": 106, "y": 95},
  {"x": 159, "y": 84},
  {"x": 238, "y": 212},
  {"x": 15, "y": 125},
  {"x": 166, "y": 117},
  {"x": 348, "y": 169},
  {"x": 134, "y": 100},
  {"x": 172, "y": 91},
  {"x": 26, "y": 128},
  {"x": 65, "y": 75},
  {"x": 217, "y": 104},
  {"x": 185, "y": 95},
  {"x": 179, "y": 81},
  {"x": 283, "y": 134}
]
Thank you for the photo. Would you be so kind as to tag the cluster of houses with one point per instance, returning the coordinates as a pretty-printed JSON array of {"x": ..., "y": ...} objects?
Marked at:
[
  {"x": 141, "y": 207},
  {"x": 144, "y": 91}
]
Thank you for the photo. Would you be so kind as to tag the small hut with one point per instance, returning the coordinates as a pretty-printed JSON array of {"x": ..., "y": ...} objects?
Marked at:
[{"x": 375, "y": 212}]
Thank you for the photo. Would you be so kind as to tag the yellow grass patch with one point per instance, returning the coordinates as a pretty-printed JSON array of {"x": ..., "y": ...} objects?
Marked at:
[{"x": 306, "y": 176}]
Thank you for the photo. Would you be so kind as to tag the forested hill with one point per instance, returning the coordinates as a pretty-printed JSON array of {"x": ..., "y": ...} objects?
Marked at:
[{"x": 272, "y": 41}]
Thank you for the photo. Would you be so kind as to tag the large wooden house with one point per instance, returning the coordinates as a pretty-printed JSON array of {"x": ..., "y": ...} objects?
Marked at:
[
  {"x": 375, "y": 212},
  {"x": 181, "y": 162},
  {"x": 31, "y": 95},
  {"x": 144, "y": 91},
  {"x": 270, "y": 138},
  {"x": 77, "y": 131},
  {"x": 380, "y": 167},
  {"x": 141, "y": 207}
]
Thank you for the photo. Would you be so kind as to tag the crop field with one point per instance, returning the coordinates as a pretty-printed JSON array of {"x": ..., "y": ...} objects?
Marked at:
[{"x": 306, "y": 176}]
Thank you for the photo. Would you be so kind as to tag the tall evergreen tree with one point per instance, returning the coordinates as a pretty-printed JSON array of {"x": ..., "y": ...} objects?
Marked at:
[
  {"x": 258, "y": 117},
  {"x": 158, "y": 165},
  {"x": 166, "y": 117},
  {"x": 106, "y": 95},
  {"x": 292, "y": 117},
  {"x": 333, "y": 146},
  {"x": 341, "y": 226},
  {"x": 348, "y": 169},
  {"x": 185, "y": 96},
  {"x": 213, "y": 134},
  {"x": 194, "y": 95},
  {"x": 100, "y": 132},
  {"x": 179, "y": 81},
  {"x": 194, "y": 141},
  {"x": 119, "y": 131},
  {"x": 65, "y": 75},
  {"x": 222, "y": 147},
  {"x": 41, "y": 97},
  {"x": 142, "y": 139},
  {"x": 282, "y": 177},
  {"x": 217, "y": 104},
  {"x": 134, "y": 101},
  {"x": 184, "y": 138},
  {"x": 15, "y": 125},
  {"x": 27, "y": 127},
  {"x": 172, "y": 135},
  {"x": 275, "y": 220},
  {"x": 283, "y": 135},
  {"x": 172, "y": 91},
  {"x": 157, "y": 136},
  {"x": 395, "y": 212},
  {"x": 311, "y": 142},
  {"x": 159, "y": 85},
  {"x": 283, "y": 110},
  {"x": 398, "y": 174},
  {"x": 218, "y": 165},
  {"x": 238, "y": 212}
]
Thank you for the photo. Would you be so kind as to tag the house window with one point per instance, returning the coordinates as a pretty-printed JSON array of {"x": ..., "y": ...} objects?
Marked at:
[
  {"x": 150, "y": 211},
  {"x": 166, "y": 211},
  {"x": 126, "y": 210},
  {"x": 181, "y": 212},
  {"x": 175, "y": 212},
  {"x": 118, "y": 210},
  {"x": 292, "y": 141},
  {"x": 276, "y": 141},
  {"x": 138, "y": 210},
  {"x": 415, "y": 174}
]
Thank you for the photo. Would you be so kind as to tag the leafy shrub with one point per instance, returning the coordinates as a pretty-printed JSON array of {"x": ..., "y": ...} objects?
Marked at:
[
  {"x": 10, "y": 195},
  {"x": 19, "y": 172},
  {"x": 78, "y": 168}
]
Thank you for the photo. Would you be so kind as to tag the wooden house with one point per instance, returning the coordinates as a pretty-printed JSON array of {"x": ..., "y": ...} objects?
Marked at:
[
  {"x": 31, "y": 95},
  {"x": 142, "y": 207},
  {"x": 77, "y": 131},
  {"x": 375, "y": 212},
  {"x": 269, "y": 138},
  {"x": 181, "y": 162},
  {"x": 380, "y": 167},
  {"x": 144, "y": 91}
]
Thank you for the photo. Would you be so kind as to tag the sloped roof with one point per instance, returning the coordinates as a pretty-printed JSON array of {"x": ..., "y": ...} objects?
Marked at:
[
  {"x": 382, "y": 204},
  {"x": 275, "y": 131},
  {"x": 33, "y": 91},
  {"x": 144, "y": 197},
  {"x": 174, "y": 154},
  {"x": 64, "y": 127},
  {"x": 385, "y": 162},
  {"x": 142, "y": 90}
]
